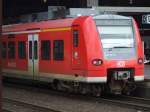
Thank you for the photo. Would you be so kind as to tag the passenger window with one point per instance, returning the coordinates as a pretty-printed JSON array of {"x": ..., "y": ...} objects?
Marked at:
[
  {"x": 11, "y": 50},
  {"x": 3, "y": 53},
  {"x": 58, "y": 50},
  {"x": 21, "y": 50},
  {"x": 45, "y": 49},
  {"x": 35, "y": 50},
  {"x": 75, "y": 38},
  {"x": 30, "y": 49}
]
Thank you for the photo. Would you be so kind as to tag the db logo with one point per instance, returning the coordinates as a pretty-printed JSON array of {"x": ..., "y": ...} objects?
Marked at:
[{"x": 121, "y": 64}]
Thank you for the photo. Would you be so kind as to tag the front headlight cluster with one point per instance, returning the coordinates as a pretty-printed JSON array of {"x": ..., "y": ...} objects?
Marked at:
[{"x": 97, "y": 62}]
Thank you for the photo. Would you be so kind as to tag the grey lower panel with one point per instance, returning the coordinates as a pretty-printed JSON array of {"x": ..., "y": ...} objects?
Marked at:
[
  {"x": 49, "y": 77},
  {"x": 24, "y": 76}
]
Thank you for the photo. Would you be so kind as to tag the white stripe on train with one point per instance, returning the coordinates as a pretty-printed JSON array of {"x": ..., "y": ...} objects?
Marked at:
[
  {"x": 50, "y": 76},
  {"x": 21, "y": 32},
  {"x": 138, "y": 78}
]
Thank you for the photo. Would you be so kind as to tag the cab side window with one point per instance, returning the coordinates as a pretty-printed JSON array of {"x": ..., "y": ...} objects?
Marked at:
[{"x": 75, "y": 38}]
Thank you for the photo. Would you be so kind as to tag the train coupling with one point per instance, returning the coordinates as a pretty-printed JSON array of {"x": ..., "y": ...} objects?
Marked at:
[{"x": 121, "y": 75}]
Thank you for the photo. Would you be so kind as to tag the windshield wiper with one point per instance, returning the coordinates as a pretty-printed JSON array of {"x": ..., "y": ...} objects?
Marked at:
[{"x": 121, "y": 47}]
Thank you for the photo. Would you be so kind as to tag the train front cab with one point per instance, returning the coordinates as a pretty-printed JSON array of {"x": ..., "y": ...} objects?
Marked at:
[
  {"x": 123, "y": 53},
  {"x": 114, "y": 52}
]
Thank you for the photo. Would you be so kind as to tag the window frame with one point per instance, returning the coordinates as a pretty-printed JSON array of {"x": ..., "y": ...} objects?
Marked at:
[
  {"x": 58, "y": 51},
  {"x": 22, "y": 48},
  {"x": 35, "y": 49},
  {"x": 30, "y": 50},
  {"x": 3, "y": 50},
  {"x": 45, "y": 52},
  {"x": 75, "y": 38},
  {"x": 11, "y": 54}
]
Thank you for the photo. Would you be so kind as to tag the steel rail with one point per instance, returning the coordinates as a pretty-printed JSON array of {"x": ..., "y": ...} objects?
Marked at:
[
  {"x": 28, "y": 105},
  {"x": 128, "y": 101},
  {"x": 137, "y": 99},
  {"x": 120, "y": 100}
]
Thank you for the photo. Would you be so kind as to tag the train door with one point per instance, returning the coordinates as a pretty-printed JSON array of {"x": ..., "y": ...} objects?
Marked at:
[
  {"x": 76, "y": 55},
  {"x": 33, "y": 55}
]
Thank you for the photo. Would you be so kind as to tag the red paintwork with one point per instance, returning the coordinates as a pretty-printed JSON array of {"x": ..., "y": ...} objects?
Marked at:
[
  {"x": 38, "y": 25},
  {"x": 18, "y": 64},
  {"x": 89, "y": 48}
]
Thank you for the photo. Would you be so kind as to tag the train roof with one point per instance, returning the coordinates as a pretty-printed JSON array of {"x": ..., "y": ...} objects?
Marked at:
[
  {"x": 51, "y": 24},
  {"x": 111, "y": 16},
  {"x": 38, "y": 25}
]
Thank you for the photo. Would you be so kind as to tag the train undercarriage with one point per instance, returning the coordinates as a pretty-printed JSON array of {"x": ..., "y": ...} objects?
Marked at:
[
  {"x": 119, "y": 81},
  {"x": 95, "y": 89}
]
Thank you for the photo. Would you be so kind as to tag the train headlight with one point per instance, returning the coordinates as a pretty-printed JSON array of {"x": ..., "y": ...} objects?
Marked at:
[
  {"x": 97, "y": 62},
  {"x": 140, "y": 61}
]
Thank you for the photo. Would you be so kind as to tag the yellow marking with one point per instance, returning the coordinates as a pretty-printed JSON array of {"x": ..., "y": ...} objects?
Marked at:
[{"x": 56, "y": 29}]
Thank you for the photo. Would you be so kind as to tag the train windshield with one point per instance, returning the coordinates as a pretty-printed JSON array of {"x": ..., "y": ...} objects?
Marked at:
[{"x": 117, "y": 37}]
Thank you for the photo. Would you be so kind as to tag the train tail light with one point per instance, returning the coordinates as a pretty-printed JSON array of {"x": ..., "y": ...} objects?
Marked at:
[
  {"x": 97, "y": 62},
  {"x": 140, "y": 61}
]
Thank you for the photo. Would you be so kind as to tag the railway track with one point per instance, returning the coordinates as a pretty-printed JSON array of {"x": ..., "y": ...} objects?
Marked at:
[
  {"x": 6, "y": 110},
  {"x": 26, "y": 105},
  {"x": 136, "y": 99},
  {"x": 128, "y": 101},
  {"x": 120, "y": 100}
]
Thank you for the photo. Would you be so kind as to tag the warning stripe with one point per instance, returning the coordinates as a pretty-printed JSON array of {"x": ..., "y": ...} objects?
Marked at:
[
  {"x": 36, "y": 31},
  {"x": 56, "y": 29}
]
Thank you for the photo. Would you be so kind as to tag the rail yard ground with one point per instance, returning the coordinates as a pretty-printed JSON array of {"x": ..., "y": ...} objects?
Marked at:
[
  {"x": 16, "y": 99},
  {"x": 58, "y": 103}
]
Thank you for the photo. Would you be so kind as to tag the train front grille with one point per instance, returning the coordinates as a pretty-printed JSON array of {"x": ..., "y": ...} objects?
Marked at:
[{"x": 121, "y": 73}]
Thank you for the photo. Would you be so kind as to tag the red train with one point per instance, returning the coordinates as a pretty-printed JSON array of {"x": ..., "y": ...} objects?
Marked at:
[{"x": 85, "y": 54}]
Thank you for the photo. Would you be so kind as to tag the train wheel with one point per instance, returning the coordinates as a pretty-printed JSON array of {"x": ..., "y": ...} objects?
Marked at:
[
  {"x": 54, "y": 84},
  {"x": 129, "y": 88},
  {"x": 96, "y": 90},
  {"x": 83, "y": 89},
  {"x": 126, "y": 93}
]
